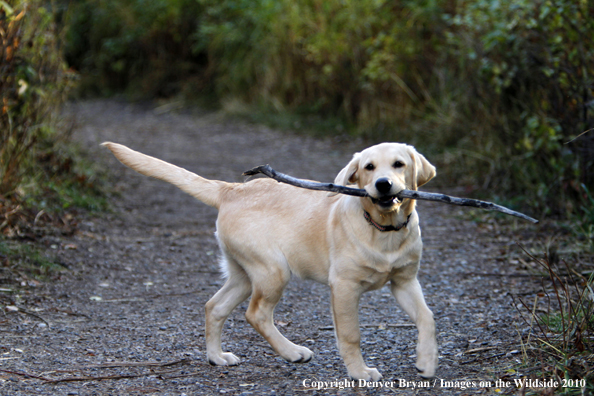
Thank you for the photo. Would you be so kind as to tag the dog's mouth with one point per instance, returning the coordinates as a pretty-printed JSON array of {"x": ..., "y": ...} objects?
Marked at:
[{"x": 386, "y": 201}]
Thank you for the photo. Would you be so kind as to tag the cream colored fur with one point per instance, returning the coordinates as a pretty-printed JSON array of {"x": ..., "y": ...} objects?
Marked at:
[{"x": 268, "y": 231}]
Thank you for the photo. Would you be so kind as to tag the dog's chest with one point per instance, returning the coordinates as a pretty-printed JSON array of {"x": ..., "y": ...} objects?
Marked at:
[
  {"x": 388, "y": 255},
  {"x": 387, "y": 262},
  {"x": 378, "y": 273}
]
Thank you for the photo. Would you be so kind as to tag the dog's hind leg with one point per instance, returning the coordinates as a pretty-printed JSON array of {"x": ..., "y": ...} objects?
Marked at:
[
  {"x": 236, "y": 290},
  {"x": 267, "y": 291}
]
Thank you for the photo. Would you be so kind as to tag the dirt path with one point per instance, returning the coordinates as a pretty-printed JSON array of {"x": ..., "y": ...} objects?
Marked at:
[{"x": 132, "y": 303}]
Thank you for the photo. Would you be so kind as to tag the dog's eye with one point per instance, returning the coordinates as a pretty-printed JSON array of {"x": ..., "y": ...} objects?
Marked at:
[
  {"x": 369, "y": 167},
  {"x": 398, "y": 164}
]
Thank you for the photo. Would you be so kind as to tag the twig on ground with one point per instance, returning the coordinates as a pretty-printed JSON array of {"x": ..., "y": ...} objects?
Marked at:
[
  {"x": 70, "y": 312},
  {"x": 485, "y": 358},
  {"x": 477, "y": 350},
  {"x": 22, "y": 374},
  {"x": 310, "y": 185},
  {"x": 182, "y": 375},
  {"x": 133, "y": 364},
  {"x": 119, "y": 376},
  {"x": 118, "y": 300},
  {"x": 97, "y": 378},
  {"x": 27, "y": 312}
]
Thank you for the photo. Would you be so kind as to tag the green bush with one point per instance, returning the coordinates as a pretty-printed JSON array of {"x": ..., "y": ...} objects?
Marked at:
[
  {"x": 494, "y": 90},
  {"x": 139, "y": 46},
  {"x": 533, "y": 83},
  {"x": 38, "y": 167},
  {"x": 501, "y": 87},
  {"x": 33, "y": 83},
  {"x": 357, "y": 60}
]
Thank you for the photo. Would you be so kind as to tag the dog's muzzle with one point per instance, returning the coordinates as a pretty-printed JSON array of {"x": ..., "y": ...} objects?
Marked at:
[{"x": 385, "y": 199}]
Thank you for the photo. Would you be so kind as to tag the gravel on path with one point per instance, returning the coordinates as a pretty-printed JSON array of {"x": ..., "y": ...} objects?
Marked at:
[{"x": 127, "y": 317}]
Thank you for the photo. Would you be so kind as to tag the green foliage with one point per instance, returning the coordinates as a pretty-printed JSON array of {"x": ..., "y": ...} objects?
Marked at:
[
  {"x": 499, "y": 86},
  {"x": 563, "y": 334},
  {"x": 37, "y": 166},
  {"x": 142, "y": 46},
  {"x": 33, "y": 82},
  {"x": 64, "y": 179},
  {"x": 347, "y": 59},
  {"x": 534, "y": 69},
  {"x": 497, "y": 89},
  {"x": 27, "y": 259}
]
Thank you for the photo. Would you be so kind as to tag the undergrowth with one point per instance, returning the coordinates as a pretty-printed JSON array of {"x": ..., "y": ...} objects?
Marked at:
[
  {"x": 42, "y": 177},
  {"x": 38, "y": 165},
  {"x": 25, "y": 264},
  {"x": 560, "y": 345},
  {"x": 585, "y": 229}
]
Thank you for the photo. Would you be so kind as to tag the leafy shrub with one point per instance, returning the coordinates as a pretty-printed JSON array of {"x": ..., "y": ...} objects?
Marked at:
[
  {"x": 501, "y": 86},
  {"x": 498, "y": 89},
  {"x": 533, "y": 71},
  {"x": 142, "y": 46},
  {"x": 33, "y": 83},
  {"x": 351, "y": 59},
  {"x": 37, "y": 166}
]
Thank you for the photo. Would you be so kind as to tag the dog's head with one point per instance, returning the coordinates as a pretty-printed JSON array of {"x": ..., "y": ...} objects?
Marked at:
[{"x": 384, "y": 170}]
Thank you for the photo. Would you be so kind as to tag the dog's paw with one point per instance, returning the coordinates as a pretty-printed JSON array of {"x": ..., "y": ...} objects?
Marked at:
[
  {"x": 366, "y": 374},
  {"x": 427, "y": 364},
  {"x": 298, "y": 354},
  {"x": 224, "y": 359}
]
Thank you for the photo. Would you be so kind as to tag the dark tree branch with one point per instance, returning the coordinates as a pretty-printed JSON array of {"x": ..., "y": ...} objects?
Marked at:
[{"x": 426, "y": 196}]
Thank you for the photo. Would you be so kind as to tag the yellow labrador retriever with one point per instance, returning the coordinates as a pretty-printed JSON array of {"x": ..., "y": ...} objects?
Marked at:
[{"x": 268, "y": 231}]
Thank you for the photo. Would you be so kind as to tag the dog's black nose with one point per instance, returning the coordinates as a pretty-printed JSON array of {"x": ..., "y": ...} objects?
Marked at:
[{"x": 383, "y": 185}]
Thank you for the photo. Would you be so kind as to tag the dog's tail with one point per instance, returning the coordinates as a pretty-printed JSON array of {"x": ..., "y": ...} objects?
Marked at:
[{"x": 207, "y": 191}]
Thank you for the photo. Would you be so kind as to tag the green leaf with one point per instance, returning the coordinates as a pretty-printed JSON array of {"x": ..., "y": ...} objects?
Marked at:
[{"x": 8, "y": 9}]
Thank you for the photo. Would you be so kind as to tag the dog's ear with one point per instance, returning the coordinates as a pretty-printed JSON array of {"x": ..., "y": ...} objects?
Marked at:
[
  {"x": 422, "y": 171},
  {"x": 348, "y": 174}
]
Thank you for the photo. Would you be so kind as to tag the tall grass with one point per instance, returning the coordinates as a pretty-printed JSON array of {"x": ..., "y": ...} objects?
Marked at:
[{"x": 561, "y": 343}]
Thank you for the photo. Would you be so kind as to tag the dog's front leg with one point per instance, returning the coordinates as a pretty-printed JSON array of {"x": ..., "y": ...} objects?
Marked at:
[
  {"x": 345, "y": 311},
  {"x": 409, "y": 295}
]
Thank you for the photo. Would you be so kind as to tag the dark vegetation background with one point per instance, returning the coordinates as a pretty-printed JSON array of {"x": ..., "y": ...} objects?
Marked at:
[
  {"x": 494, "y": 90},
  {"x": 499, "y": 94}
]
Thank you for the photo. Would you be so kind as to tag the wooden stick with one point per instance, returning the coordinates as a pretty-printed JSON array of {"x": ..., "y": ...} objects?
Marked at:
[
  {"x": 133, "y": 364},
  {"x": 99, "y": 378},
  {"x": 311, "y": 185},
  {"x": 23, "y": 374}
]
